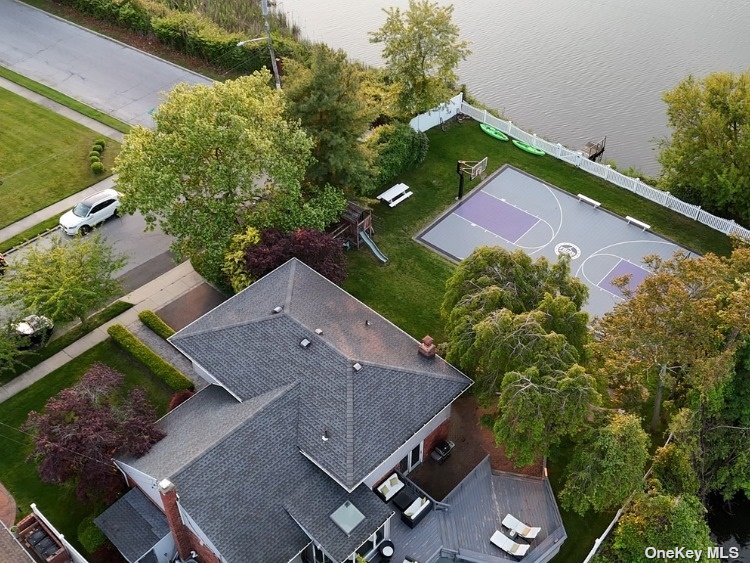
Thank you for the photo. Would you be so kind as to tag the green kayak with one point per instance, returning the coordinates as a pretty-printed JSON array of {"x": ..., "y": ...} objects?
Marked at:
[
  {"x": 493, "y": 132},
  {"x": 528, "y": 148}
]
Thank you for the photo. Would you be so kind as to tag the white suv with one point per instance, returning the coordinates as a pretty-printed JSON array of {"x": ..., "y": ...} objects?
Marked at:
[{"x": 91, "y": 212}]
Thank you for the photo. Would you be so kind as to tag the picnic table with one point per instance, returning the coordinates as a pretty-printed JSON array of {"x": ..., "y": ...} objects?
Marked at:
[{"x": 395, "y": 195}]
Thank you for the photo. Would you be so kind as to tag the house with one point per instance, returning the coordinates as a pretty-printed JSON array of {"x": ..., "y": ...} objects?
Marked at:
[{"x": 313, "y": 400}]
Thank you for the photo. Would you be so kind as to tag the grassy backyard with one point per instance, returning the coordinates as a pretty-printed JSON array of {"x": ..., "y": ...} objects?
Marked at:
[
  {"x": 59, "y": 503},
  {"x": 409, "y": 289},
  {"x": 44, "y": 157}
]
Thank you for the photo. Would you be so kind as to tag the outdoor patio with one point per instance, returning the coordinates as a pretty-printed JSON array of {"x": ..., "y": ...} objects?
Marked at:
[
  {"x": 460, "y": 527},
  {"x": 471, "y": 492}
]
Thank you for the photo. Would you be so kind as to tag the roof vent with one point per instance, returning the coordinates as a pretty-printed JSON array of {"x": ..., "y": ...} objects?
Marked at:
[
  {"x": 278, "y": 309},
  {"x": 304, "y": 343},
  {"x": 367, "y": 322},
  {"x": 318, "y": 331},
  {"x": 357, "y": 366},
  {"x": 326, "y": 435}
]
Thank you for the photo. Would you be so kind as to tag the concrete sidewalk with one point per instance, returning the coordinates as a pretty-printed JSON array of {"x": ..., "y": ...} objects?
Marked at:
[
  {"x": 153, "y": 295},
  {"x": 55, "y": 209},
  {"x": 65, "y": 111}
]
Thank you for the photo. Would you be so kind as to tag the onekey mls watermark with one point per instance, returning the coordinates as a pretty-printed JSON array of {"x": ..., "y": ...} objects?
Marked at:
[{"x": 722, "y": 553}]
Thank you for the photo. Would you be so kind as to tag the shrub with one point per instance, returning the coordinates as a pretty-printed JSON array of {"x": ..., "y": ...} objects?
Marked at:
[
  {"x": 94, "y": 158},
  {"x": 101, "y": 142},
  {"x": 97, "y": 167},
  {"x": 398, "y": 148},
  {"x": 166, "y": 372},
  {"x": 179, "y": 398},
  {"x": 152, "y": 321},
  {"x": 96, "y": 150},
  {"x": 90, "y": 536}
]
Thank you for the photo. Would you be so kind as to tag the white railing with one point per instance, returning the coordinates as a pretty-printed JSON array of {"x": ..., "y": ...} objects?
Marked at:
[{"x": 634, "y": 185}]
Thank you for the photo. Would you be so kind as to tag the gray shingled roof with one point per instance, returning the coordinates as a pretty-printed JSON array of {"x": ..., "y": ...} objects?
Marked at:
[
  {"x": 10, "y": 550},
  {"x": 242, "y": 490},
  {"x": 251, "y": 351},
  {"x": 134, "y": 524}
]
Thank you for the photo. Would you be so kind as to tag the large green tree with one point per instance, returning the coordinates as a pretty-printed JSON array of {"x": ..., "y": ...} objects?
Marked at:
[
  {"x": 327, "y": 98},
  {"x": 516, "y": 326},
  {"x": 422, "y": 48},
  {"x": 65, "y": 282},
  {"x": 9, "y": 351},
  {"x": 707, "y": 159},
  {"x": 221, "y": 157},
  {"x": 607, "y": 466},
  {"x": 676, "y": 330},
  {"x": 660, "y": 521}
]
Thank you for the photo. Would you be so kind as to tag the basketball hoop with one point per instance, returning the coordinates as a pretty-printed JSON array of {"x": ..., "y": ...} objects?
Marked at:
[{"x": 473, "y": 168}]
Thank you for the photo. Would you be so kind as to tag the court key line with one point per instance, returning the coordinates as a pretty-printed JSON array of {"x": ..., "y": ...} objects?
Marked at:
[{"x": 538, "y": 219}]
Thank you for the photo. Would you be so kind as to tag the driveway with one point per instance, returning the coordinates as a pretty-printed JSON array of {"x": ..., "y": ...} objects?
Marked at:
[
  {"x": 112, "y": 77},
  {"x": 147, "y": 251}
]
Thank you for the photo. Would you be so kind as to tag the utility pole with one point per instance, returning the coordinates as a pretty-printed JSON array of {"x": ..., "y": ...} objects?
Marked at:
[{"x": 274, "y": 66}]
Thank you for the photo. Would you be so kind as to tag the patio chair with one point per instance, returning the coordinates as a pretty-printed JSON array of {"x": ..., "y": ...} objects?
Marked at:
[
  {"x": 508, "y": 545},
  {"x": 388, "y": 488},
  {"x": 518, "y": 527}
]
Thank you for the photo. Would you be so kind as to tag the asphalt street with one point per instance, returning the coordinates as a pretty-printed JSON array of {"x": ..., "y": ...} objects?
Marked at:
[{"x": 112, "y": 77}]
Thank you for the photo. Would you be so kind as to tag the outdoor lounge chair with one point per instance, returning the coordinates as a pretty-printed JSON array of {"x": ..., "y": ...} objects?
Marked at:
[
  {"x": 518, "y": 527},
  {"x": 416, "y": 511},
  {"x": 388, "y": 488},
  {"x": 508, "y": 545}
]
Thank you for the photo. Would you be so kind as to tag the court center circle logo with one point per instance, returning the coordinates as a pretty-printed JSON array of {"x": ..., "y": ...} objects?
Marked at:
[{"x": 569, "y": 249}]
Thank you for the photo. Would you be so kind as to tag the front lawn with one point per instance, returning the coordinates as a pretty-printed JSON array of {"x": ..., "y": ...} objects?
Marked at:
[
  {"x": 45, "y": 157},
  {"x": 408, "y": 290},
  {"x": 19, "y": 475}
]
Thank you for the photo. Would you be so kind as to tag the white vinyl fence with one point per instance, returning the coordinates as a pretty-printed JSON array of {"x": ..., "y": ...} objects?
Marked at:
[{"x": 436, "y": 116}]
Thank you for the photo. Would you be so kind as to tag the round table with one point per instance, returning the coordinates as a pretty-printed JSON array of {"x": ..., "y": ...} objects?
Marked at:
[{"x": 387, "y": 549}]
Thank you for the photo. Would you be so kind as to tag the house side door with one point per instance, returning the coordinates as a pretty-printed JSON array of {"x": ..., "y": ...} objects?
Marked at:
[{"x": 412, "y": 459}]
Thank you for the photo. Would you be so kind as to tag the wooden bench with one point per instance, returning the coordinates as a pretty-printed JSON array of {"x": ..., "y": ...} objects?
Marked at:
[
  {"x": 641, "y": 224},
  {"x": 588, "y": 200},
  {"x": 395, "y": 195}
]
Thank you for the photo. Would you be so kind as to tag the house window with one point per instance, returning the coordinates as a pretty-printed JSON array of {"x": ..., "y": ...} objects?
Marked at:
[
  {"x": 318, "y": 556},
  {"x": 368, "y": 548},
  {"x": 412, "y": 459}
]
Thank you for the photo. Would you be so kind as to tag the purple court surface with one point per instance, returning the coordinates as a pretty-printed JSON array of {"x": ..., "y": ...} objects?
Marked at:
[
  {"x": 496, "y": 216},
  {"x": 624, "y": 268}
]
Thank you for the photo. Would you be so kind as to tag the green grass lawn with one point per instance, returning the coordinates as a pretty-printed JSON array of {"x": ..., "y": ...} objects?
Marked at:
[
  {"x": 44, "y": 157},
  {"x": 409, "y": 289},
  {"x": 19, "y": 475}
]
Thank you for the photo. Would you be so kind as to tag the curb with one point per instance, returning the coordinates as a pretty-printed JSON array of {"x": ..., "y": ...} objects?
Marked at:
[{"x": 210, "y": 80}]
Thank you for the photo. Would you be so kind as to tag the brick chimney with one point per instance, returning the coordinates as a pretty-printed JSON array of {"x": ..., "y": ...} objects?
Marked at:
[
  {"x": 180, "y": 533},
  {"x": 427, "y": 347}
]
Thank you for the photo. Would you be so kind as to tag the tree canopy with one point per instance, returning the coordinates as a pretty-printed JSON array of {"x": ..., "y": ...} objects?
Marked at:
[
  {"x": 85, "y": 426},
  {"x": 328, "y": 100},
  {"x": 9, "y": 351},
  {"x": 66, "y": 281},
  {"x": 421, "y": 48},
  {"x": 707, "y": 159},
  {"x": 255, "y": 255},
  {"x": 678, "y": 329},
  {"x": 516, "y": 326},
  {"x": 607, "y": 467},
  {"x": 663, "y": 521},
  {"x": 221, "y": 157}
]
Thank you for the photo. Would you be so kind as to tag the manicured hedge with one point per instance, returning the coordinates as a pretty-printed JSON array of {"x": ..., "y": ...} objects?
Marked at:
[
  {"x": 188, "y": 32},
  {"x": 160, "y": 368},
  {"x": 152, "y": 321}
]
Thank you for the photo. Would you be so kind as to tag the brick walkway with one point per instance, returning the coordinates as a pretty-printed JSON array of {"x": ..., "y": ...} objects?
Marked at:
[{"x": 7, "y": 507}]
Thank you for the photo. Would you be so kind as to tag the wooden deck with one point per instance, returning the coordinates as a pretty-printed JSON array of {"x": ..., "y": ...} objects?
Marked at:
[{"x": 459, "y": 528}]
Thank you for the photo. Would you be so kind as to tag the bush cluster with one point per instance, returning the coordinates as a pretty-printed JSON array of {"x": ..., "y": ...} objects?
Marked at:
[
  {"x": 95, "y": 156},
  {"x": 188, "y": 32},
  {"x": 89, "y": 535},
  {"x": 398, "y": 148},
  {"x": 152, "y": 321},
  {"x": 160, "y": 368}
]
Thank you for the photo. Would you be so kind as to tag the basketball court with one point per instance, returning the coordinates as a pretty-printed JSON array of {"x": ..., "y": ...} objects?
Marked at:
[{"x": 515, "y": 210}]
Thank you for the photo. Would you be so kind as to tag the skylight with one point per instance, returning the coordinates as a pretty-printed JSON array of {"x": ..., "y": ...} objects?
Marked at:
[{"x": 347, "y": 517}]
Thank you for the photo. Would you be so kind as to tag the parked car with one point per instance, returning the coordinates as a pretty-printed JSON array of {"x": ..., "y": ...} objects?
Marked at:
[
  {"x": 34, "y": 331},
  {"x": 91, "y": 212}
]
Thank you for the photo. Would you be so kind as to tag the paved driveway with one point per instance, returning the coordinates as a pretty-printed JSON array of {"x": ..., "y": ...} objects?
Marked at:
[{"x": 109, "y": 76}]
